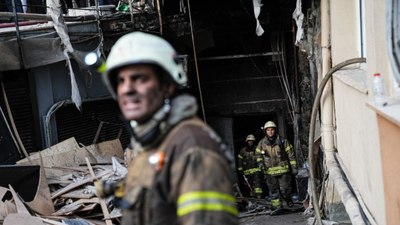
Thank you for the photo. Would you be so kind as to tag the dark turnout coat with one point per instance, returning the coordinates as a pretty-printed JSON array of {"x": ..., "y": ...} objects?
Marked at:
[{"x": 184, "y": 180}]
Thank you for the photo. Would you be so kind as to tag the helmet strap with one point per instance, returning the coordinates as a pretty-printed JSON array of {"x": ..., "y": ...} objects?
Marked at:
[{"x": 146, "y": 133}]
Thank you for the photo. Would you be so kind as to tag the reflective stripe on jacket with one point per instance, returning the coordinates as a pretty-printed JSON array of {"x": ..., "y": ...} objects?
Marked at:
[
  {"x": 247, "y": 161},
  {"x": 276, "y": 158},
  {"x": 185, "y": 181}
]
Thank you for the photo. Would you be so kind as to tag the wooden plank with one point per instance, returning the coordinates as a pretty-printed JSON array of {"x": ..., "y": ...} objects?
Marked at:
[
  {"x": 102, "y": 202},
  {"x": 77, "y": 184},
  {"x": 75, "y": 207},
  {"x": 52, "y": 222},
  {"x": 89, "y": 207},
  {"x": 78, "y": 194},
  {"x": 67, "y": 209}
]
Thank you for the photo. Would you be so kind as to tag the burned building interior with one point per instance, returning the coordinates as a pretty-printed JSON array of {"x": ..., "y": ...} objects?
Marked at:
[{"x": 242, "y": 76}]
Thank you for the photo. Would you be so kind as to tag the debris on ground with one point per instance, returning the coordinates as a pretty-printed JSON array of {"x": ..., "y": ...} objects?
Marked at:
[{"x": 64, "y": 177}]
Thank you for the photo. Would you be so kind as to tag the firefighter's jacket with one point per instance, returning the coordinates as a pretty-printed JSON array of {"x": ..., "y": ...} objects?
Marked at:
[
  {"x": 276, "y": 158},
  {"x": 247, "y": 160},
  {"x": 183, "y": 180}
]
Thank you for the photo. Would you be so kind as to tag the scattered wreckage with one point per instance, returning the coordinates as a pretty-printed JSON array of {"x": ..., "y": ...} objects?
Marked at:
[{"x": 55, "y": 186}]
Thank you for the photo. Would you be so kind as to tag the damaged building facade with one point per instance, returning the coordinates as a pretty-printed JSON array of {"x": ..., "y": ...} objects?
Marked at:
[
  {"x": 248, "y": 62},
  {"x": 243, "y": 70}
]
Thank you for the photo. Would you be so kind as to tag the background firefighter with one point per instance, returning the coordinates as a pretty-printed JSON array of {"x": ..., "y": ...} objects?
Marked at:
[
  {"x": 275, "y": 155},
  {"x": 248, "y": 167},
  {"x": 179, "y": 172}
]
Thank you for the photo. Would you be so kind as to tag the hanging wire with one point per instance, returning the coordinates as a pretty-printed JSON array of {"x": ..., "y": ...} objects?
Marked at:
[
  {"x": 282, "y": 65},
  {"x": 280, "y": 73},
  {"x": 195, "y": 62}
]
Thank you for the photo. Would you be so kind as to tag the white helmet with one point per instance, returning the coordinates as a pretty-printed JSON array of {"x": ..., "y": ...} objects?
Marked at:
[
  {"x": 250, "y": 137},
  {"x": 142, "y": 48},
  {"x": 269, "y": 124}
]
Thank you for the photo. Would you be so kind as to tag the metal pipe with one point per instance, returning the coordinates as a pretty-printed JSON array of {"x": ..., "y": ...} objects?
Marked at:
[
  {"x": 239, "y": 56},
  {"x": 159, "y": 16},
  {"x": 15, "y": 18},
  {"x": 33, "y": 16},
  {"x": 22, "y": 64},
  {"x": 327, "y": 98},
  {"x": 51, "y": 112},
  {"x": 250, "y": 102},
  {"x": 240, "y": 80},
  {"x": 314, "y": 111}
]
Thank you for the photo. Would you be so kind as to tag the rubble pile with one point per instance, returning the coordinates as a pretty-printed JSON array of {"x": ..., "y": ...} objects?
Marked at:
[{"x": 65, "y": 192}]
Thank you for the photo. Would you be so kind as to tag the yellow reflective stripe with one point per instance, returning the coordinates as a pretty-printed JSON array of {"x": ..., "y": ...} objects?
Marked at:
[
  {"x": 258, "y": 150},
  {"x": 293, "y": 162},
  {"x": 276, "y": 202},
  {"x": 252, "y": 170},
  {"x": 206, "y": 201},
  {"x": 258, "y": 190},
  {"x": 240, "y": 157},
  {"x": 288, "y": 148},
  {"x": 278, "y": 170},
  {"x": 259, "y": 159},
  {"x": 240, "y": 168}
]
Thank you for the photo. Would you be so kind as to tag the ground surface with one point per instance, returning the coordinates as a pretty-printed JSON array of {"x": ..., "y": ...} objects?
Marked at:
[
  {"x": 290, "y": 216},
  {"x": 296, "y": 218}
]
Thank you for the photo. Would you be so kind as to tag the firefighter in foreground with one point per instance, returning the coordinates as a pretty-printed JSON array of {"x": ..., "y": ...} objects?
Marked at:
[
  {"x": 180, "y": 173},
  {"x": 276, "y": 157},
  {"x": 248, "y": 167}
]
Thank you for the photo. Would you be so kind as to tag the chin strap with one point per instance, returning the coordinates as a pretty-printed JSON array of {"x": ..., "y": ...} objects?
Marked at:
[
  {"x": 146, "y": 133},
  {"x": 171, "y": 113}
]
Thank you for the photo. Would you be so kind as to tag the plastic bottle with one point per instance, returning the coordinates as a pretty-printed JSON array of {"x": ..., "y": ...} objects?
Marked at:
[{"x": 379, "y": 90}]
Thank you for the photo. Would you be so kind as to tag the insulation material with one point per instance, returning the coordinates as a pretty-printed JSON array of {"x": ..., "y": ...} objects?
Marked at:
[
  {"x": 75, "y": 96},
  {"x": 298, "y": 17},
  {"x": 257, "y": 9},
  {"x": 61, "y": 28}
]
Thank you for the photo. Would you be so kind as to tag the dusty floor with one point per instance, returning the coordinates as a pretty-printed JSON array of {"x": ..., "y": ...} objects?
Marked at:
[
  {"x": 291, "y": 216},
  {"x": 295, "y": 218}
]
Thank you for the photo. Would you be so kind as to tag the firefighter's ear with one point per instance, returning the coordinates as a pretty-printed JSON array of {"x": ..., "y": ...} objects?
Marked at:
[{"x": 169, "y": 90}]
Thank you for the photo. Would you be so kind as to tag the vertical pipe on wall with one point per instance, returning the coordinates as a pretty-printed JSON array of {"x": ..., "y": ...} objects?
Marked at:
[{"x": 327, "y": 98}]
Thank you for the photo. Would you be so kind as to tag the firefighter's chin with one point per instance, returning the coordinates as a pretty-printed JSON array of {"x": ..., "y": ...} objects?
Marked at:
[{"x": 133, "y": 111}]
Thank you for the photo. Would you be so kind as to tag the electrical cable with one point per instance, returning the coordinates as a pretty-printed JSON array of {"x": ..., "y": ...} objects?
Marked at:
[{"x": 195, "y": 62}]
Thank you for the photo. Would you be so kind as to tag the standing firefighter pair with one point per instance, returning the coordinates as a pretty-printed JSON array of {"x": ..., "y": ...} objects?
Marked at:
[{"x": 275, "y": 159}]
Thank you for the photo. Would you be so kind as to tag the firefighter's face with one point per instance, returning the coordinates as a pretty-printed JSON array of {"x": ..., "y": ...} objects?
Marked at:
[
  {"x": 250, "y": 143},
  {"x": 140, "y": 93},
  {"x": 270, "y": 132}
]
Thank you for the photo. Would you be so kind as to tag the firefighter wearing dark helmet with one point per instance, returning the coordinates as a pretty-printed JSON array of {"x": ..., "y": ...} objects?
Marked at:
[
  {"x": 276, "y": 157},
  {"x": 248, "y": 167},
  {"x": 180, "y": 172}
]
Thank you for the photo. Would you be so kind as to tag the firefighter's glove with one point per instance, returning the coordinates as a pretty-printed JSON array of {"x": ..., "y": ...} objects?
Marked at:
[{"x": 294, "y": 171}]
